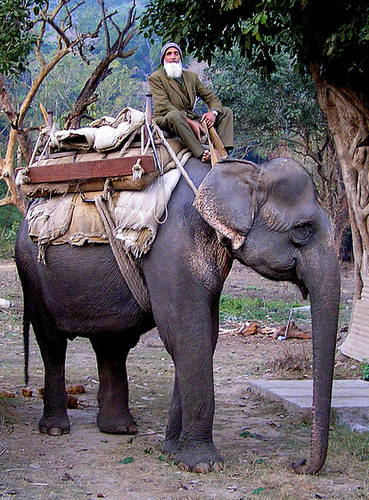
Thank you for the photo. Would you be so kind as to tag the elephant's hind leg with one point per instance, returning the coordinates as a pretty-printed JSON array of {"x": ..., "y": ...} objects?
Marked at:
[
  {"x": 114, "y": 416},
  {"x": 54, "y": 421}
]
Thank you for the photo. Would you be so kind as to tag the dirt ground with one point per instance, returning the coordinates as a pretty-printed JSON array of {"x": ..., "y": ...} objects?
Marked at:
[{"x": 258, "y": 439}]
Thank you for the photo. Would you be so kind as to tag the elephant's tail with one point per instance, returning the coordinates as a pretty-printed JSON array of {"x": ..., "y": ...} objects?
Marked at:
[{"x": 26, "y": 325}]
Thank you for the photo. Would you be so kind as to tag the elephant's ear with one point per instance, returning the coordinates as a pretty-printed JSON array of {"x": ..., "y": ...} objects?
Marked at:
[{"x": 224, "y": 199}]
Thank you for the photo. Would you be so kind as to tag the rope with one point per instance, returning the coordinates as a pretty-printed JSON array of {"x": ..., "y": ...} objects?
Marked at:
[
  {"x": 174, "y": 158},
  {"x": 127, "y": 143},
  {"x": 125, "y": 261}
]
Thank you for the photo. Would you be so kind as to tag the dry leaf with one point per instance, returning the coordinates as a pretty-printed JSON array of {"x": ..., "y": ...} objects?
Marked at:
[
  {"x": 4, "y": 394},
  {"x": 248, "y": 329},
  {"x": 76, "y": 389}
]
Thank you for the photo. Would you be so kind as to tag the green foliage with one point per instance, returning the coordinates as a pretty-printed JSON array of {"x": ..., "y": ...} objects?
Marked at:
[
  {"x": 334, "y": 34},
  {"x": 11, "y": 233},
  {"x": 349, "y": 445},
  {"x": 10, "y": 218},
  {"x": 267, "y": 112},
  {"x": 6, "y": 249},
  {"x": 242, "y": 308},
  {"x": 16, "y": 37},
  {"x": 127, "y": 460},
  {"x": 366, "y": 370}
]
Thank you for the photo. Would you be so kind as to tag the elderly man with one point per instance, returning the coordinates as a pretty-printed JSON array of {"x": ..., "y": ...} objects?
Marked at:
[{"x": 174, "y": 92}]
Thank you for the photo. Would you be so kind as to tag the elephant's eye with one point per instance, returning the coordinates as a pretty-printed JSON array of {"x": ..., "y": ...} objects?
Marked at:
[{"x": 301, "y": 234}]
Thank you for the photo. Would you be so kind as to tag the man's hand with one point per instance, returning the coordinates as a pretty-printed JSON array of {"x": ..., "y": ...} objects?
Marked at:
[
  {"x": 197, "y": 129},
  {"x": 209, "y": 118}
]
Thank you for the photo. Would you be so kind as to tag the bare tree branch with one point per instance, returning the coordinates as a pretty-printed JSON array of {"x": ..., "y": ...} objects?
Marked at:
[
  {"x": 6, "y": 201},
  {"x": 106, "y": 30},
  {"x": 7, "y": 173},
  {"x": 59, "y": 30},
  {"x": 87, "y": 95}
]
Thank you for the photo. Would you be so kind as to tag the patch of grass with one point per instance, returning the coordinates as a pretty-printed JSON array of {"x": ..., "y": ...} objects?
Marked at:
[
  {"x": 242, "y": 309},
  {"x": 350, "y": 448},
  {"x": 348, "y": 369}
]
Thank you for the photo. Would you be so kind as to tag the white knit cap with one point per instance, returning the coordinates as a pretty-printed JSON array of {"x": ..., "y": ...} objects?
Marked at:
[{"x": 166, "y": 47}]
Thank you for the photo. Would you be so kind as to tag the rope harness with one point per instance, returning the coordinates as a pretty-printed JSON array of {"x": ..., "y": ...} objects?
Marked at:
[{"x": 126, "y": 263}]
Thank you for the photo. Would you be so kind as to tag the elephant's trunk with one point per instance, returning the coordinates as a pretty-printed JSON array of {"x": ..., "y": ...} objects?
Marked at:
[{"x": 321, "y": 275}]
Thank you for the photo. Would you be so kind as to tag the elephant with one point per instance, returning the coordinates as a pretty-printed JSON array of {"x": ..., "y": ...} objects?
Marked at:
[{"x": 267, "y": 217}]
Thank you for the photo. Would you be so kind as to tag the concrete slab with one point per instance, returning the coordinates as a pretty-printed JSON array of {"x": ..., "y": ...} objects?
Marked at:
[{"x": 297, "y": 395}]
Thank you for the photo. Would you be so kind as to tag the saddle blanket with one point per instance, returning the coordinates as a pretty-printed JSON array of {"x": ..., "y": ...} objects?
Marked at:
[{"x": 71, "y": 219}]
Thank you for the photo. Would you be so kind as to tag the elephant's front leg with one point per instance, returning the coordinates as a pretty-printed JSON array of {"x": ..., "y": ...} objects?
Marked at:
[
  {"x": 196, "y": 449},
  {"x": 193, "y": 399},
  {"x": 114, "y": 416},
  {"x": 174, "y": 426}
]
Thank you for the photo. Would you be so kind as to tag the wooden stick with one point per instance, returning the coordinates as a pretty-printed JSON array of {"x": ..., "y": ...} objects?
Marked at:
[
  {"x": 215, "y": 143},
  {"x": 149, "y": 107}
]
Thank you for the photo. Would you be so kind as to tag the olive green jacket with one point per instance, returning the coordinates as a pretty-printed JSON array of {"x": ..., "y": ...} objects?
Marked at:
[{"x": 168, "y": 95}]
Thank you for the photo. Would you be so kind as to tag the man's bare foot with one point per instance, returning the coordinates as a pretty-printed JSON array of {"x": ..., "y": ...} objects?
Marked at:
[{"x": 206, "y": 156}]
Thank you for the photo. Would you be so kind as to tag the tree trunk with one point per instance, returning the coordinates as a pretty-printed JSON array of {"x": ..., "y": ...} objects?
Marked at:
[
  {"x": 8, "y": 108},
  {"x": 6, "y": 165},
  {"x": 348, "y": 121},
  {"x": 7, "y": 172}
]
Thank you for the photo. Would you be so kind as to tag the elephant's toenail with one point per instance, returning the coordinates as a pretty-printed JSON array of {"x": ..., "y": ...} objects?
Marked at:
[
  {"x": 55, "y": 431},
  {"x": 202, "y": 468},
  {"x": 218, "y": 467},
  {"x": 183, "y": 466}
]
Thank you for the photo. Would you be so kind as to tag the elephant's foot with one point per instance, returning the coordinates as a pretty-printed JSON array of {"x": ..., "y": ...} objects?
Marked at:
[
  {"x": 116, "y": 424},
  {"x": 55, "y": 425},
  {"x": 200, "y": 459},
  {"x": 170, "y": 448}
]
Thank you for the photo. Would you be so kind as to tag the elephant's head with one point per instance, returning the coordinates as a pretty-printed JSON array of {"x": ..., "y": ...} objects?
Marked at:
[{"x": 270, "y": 219}]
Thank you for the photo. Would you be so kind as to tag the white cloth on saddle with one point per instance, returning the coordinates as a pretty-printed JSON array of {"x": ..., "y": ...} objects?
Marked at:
[
  {"x": 138, "y": 214},
  {"x": 103, "y": 134}
]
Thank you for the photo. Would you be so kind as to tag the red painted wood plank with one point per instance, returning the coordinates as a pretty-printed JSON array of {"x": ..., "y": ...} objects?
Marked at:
[{"x": 92, "y": 169}]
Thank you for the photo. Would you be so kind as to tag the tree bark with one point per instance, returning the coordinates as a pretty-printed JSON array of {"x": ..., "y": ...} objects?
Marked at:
[
  {"x": 8, "y": 108},
  {"x": 348, "y": 121},
  {"x": 7, "y": 173},
  {"x": 6, "y": 165}
]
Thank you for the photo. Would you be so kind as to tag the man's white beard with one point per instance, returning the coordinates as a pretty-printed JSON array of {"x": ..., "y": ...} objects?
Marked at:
[{"x": 173, "y": 70}]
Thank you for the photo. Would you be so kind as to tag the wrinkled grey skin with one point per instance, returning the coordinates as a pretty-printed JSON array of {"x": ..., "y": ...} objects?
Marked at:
[{"x": 265, "y": 216}]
